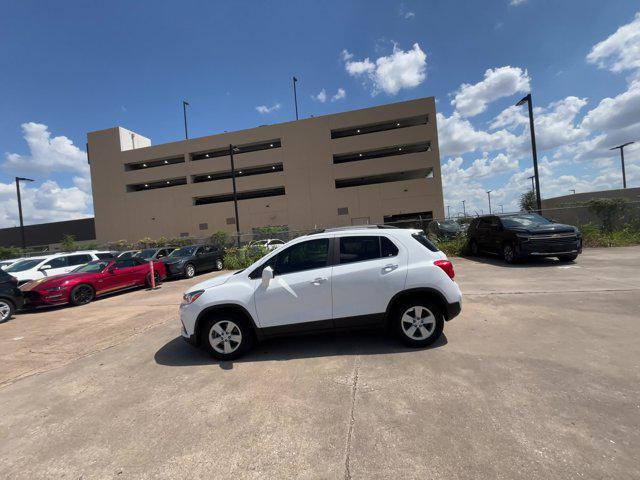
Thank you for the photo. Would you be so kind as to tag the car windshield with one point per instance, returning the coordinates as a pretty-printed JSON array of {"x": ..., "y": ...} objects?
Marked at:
[
  {"x": 183, "y": 252},
  {"x": 92, "y": 267},
  {"x": 450, "y": 226},
  {"x": 23, "y": 265},
  {"x": 148, "y": 253},
  {"x": 525, "y": 220}
]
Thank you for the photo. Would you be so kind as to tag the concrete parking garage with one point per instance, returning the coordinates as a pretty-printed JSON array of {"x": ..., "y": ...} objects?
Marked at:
[{"x": 538, "y": 378}]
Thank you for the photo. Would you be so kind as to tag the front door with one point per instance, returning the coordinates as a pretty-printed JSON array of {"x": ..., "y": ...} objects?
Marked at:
[{"x": 300, "y": 291}]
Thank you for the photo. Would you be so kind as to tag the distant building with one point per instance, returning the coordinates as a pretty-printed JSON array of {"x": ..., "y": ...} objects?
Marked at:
[
  {"x": 375, "y": 165},
  {"x": 49, "y": 235}
]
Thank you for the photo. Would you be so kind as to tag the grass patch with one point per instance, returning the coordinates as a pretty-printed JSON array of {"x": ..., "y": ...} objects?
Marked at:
[
  {"x": 594, "y": 236},
  {"x": 458, "y": 246}
]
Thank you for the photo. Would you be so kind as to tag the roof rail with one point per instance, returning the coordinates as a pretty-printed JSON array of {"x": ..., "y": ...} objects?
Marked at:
[{"x": 353, "y": 227}]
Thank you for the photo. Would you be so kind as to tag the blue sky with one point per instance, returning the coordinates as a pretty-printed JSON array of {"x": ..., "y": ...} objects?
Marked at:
[{"x": 73, "y": 67}]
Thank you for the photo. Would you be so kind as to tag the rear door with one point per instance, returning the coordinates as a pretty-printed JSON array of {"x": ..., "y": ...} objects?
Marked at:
[
  {"x": 483, "y": 234},
  {"x": 59, "y": 265},
  {"x": 74, "y": 261},
  {"x": 370, "y": 270}
]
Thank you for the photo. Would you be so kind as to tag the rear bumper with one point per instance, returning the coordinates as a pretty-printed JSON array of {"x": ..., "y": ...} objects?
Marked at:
[
  {"x": 175, "y": 270},
  {"x": 453, "y": 309}
]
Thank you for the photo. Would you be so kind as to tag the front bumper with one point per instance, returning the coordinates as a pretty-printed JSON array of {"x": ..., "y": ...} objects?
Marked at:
[
  {"x": 34, "y": 298},
  {"x": 549, "y": 246},
  {"x": 175, "y": 269}
]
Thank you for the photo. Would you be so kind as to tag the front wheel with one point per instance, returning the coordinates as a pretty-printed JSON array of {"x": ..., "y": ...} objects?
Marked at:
[
  {"x": 227, "y": 337},
  {"x": 81, "y": 295},
  {"x": 508, "y": 253},
  {"x": 6, "y": 310},
  {"x": 189, "y": 270},
  {"x": 418, "y": 323},
  {"x": 156, "y": 278},
  {"x": 219, "y": 264},
  {"x": 473, "y": 247}
]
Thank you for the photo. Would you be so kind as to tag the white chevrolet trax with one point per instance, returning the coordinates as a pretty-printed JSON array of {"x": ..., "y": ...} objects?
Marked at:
[{"x": 335, "y": 279}]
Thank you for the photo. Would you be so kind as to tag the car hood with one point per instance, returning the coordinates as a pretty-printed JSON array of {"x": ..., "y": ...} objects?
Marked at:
[
  {"x": 174, "y": 260},
  {"x": 211, "y": 282},
  {"x": 542, "y": 229},
  {"x": 49, "y": 282}
]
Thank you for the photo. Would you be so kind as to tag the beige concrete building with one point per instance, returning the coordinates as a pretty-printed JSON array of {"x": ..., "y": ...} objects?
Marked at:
[{"x": 374, "y": 165}]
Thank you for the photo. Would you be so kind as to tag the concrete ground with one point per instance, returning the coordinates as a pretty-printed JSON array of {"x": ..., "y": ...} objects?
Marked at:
[{"x": 538, "y": 378}]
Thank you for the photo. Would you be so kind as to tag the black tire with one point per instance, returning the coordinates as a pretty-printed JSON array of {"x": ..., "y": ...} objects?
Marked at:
[
  {"x": 189, "y": 270},
  {"x": 219, "y": 264},
  {"x": 240, "y": 328},
  {"x": 473, "y": 248},
  {"x": 421, "y": 310},
  {"x": 509, "y": 253},
  {"x": 82, "y": 294},
  {"x": 7, "y": 308},
  {"x": 156, "y": 276},
  {"x": 568, "y": 258}
]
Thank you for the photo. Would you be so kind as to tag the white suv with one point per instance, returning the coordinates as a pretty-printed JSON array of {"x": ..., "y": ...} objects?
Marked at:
[
  {"x": 34, "y": 268},
  {"x": 336, "y": 279}
]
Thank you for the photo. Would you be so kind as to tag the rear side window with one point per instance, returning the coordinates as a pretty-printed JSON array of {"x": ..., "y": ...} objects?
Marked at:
[
  {"x": 387, "y": 248},
  {"x": 128, "y": 263},
  {"x": 59, "y": 262},
  {"x": 359, "y": 249},
  {"x": 104, "y": 256},
  {"x": 78, "y": 259},
  {"x": 422, "y": 238}
]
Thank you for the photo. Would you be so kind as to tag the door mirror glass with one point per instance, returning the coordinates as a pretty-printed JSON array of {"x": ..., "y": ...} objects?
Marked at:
[
  {"x": 45, "y": 267},
  {"x": 267, "y": 275}
]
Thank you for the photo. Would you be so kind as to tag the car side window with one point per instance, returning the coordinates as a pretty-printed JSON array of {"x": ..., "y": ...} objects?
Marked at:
[
  {"x": 127, "y": 263},
  {"x": 104, "y": 256},
  {"x": 359, "y": 249},
  {"x": 59, "y": 262},
  {"x": 387, "y": 248},
  {"x": 78, "y": 259},
  {"x": 303, "y": 256}
]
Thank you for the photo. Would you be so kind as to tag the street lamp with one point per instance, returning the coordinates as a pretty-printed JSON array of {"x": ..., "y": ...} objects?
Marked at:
[
  {"x": 448, "y": 211},
  {"x": 185, "y": 104},
  {"x": 573, "y": 192},
  {"x": 624, "y": 176},
  {"x": 527, "y": 100},
  {"x": 18, "y": 180},
  {"x": 295, "y": 95},
  {"x": 489, "y": 197},
  {"x": 232, "y": 149},
  {"x": 501, "y": 208},
  {"x": 533, "y": 187},
  {"x": 464, "y": 211}
]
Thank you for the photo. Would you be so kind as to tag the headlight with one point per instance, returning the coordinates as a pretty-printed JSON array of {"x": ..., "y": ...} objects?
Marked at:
[
  {"x": 191, "y": 297},
  {"x": 57, "y": 289},
  {"x": 525, "y": 237}
]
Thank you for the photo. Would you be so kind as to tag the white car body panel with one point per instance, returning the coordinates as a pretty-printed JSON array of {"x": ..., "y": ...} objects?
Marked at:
[
  {"x": 36, "y": 273},
  {"x": 339, "y": 291}
]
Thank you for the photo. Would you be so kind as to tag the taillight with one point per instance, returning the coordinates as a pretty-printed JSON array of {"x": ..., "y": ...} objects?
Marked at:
[{"x": 447, "y": 266}]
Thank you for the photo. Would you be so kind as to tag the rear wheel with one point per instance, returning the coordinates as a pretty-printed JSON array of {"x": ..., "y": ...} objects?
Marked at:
[
  {"x": 81, "y": 295},
  {"x": 418, "y": 323},
  {"x": 189, "y": 270},
  {"x": 156, "y": 277},
  {"x": 6, "y": 309},
  {"x": 568, "y": 258},
  {"x": 227, "y": 336},
  {"x": 473, "y": 247},
  {"x": 219, "y": 264}
]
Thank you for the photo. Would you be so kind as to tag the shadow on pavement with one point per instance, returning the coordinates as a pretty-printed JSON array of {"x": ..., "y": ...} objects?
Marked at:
[
  {"x": 533, "y": 262},
  {"x": 178, "y": 353}
]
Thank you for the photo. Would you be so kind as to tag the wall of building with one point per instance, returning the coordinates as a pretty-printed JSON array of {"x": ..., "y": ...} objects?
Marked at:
[
  {"x": 48, "y": 235},
  {"x": 308, "y": 176}
]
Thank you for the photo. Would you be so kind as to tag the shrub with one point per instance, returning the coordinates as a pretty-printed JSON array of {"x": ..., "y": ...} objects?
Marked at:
[
  {"x": 68, "y": 243},
  {"x": 454, "y": 247},
  {"x": 220, "y": 240},
  {"x": 594, "y": 236},
  {"x": 238, "y": 258},
  {"x": 9, "y": 252},
  {"x": 610, "y": 211}
]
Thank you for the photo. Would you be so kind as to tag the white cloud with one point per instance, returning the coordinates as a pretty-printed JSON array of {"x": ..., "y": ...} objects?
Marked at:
[
  {"x": 339, "y": 95},
  {"x": 617, "y": 112},
  {"x": 472, "y": 100},
  {"x": 510, "y": 118},
  {"x": 405, "y": 13},
  {"x": 263, "y": 109},
  {"x": 392, "y": 73},
  {"x": 320, "y": 97},
  {"x": 556, "y": 124},
  {"x": 46, "y": 154},
  {"x": 456, "y": 135},
  {"x": 621, "y": 50},
  {"x": 515, "y": 3}
]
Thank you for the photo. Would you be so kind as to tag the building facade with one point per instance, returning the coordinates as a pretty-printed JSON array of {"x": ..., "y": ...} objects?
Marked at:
[{"x": 375, "y": 165}]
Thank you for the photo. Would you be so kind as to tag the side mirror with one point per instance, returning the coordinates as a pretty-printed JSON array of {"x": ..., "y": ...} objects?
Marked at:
[
  {"x": 267, "y": 275},
  {"x": 45, "y": 267}
]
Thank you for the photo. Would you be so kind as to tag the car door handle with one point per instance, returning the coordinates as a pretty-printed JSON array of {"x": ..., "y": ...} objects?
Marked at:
[
  {"x": 390, "y": 267},
  {"x": 319, "y": 280}
]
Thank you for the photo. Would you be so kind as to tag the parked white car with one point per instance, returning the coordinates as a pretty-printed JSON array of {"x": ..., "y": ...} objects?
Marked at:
[
  {"x": 46, "y": 266},
  {"x": 269, "y": 243},
  {"x": 5, "y": 263},
  {"x": 339, "y": 278}
]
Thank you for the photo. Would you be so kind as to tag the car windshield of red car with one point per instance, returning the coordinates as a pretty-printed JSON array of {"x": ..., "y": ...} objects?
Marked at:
[{"x": 92, "y": 267}]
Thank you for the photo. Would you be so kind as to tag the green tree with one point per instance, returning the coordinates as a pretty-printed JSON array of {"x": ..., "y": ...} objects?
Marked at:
[
  {"x": 68, "y": 243},
  {"x": 220, "y": 240},
  {"x": 147, "y": 242},
  {"x": 528, "y": 201},
  {"x": 610, "y": 211}
]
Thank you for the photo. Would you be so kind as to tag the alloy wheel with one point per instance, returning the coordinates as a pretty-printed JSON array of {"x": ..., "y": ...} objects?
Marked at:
[
  {"x": 191, "y": 271},
  {"x": 225, "y": 337},
  {"x": 5, "y": 310},
  {"x": 418, "y": 323},
  {"x": 82, "y": 295},
  {"x": 219, "y": 264},
  {"x": 508, "y": 254}
]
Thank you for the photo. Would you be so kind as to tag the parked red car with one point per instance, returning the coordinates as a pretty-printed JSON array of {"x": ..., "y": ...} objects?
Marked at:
[{"x": 91, "y": 280}]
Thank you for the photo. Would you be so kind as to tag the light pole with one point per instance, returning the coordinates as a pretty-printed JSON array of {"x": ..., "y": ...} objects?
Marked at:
[
  {"x": 448, "y": 211},
  {"x": 573, "y": 192},
  {"x": 624, "y": 176},
  {"x": 533, "y": 187},
  {"x": 295, "y": 95},
  {"x": 185, "y": 104},
  {"x": 18, "y": 180},
  {"x": 464, "y": 211},
  {"x": 527, "y": 100},
  {"x": 501, "y": 208},
  {"x": 489, "y": 197},
  {"x": 232, "y": 149}
]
